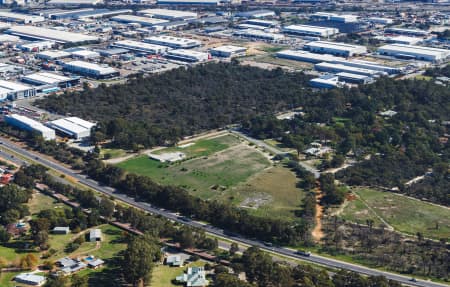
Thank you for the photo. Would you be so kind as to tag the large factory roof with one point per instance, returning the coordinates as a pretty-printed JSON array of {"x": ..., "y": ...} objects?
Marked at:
[
  {"x": 333, "y": 45},
  {"x": 50, "y": 34},
  {"x": 305, "y": 56},
  {"x": 169, "y": 14},
  {"x": 410, "y": 49},
  {"x": 21, "y": 17},
  {"x": 172, "y": 41},
  {"x": 189, "y": 2},
  {"x": 74, "y": 2},
  {"x": 140, "y": 46},
  {"x": 325, "y": 31},
  {"x": 46, "y": 78},
  {"x": 146, "y": 21},
  {"x": 91, "y": 66}
]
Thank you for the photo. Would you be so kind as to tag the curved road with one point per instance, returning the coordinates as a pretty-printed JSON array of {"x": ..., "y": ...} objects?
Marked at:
[{"x": 8, "y": 146}]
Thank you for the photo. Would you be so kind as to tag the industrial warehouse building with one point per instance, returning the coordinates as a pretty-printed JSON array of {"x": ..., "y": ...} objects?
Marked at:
[
  {"x": 305, "y": 56},
  {"x": 188, "y": 2},
  {"x": 52, "y": 55},
  {"x": 173, "y": 42},
  {"x": 380, "y": 20},
  {"x": 405, "y": 40},
  {"x": 338, "y": 49},
  {"x": 337, "y": 68},
  {"x": 228, "y": 51},
  {"x": 31, "y": 125},
  {"x": 36, "y": 46},
  {"x": 20, "y": 18},
  {"x": 307, "y": 30},
  {"x": 187, "y": 55},
  {"x": 90, "y": 70},
  {"x": 256, "y": 14},
  {"x": 408, "y": 32},
  {"x": 141, "y": 47},
  {"x": 40, "y": 33},
  {"x": 368, "y": 65},
  {"x": 415, "y": 52},
  {"x": 72, "y": 127},
  {"x": 144, "y": 21},
  {"x": 167, "y": 14},
  {"x": 260, "y": 35},
  {"x": 15, "y": 91},
  {"x": 50, "y": 79}
]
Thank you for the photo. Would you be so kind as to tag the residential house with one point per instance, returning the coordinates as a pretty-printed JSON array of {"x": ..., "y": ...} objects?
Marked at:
[
  {"x": 30, "y": 279},
  {"x": 95, "y": 235},
  {"x": 194, "y": 277}
]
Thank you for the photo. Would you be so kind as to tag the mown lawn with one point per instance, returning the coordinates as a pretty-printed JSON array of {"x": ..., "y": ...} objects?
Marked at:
[
  {"x": 163, "y": 275},
  {"x": 404, "y": 214}
]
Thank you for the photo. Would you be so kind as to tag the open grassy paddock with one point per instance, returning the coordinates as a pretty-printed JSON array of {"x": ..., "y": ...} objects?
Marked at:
[
  {"x": 404, "y": 214},
  {"x": 215, "y": 167},
  {"x": 272, "y": 193}
]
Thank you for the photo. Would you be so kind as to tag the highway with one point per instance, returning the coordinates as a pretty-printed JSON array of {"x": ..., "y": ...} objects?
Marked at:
[{"x": 7, "y": 147}]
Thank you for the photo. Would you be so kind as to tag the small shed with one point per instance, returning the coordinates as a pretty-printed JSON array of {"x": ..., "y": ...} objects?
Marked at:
[
  {"x": 95, "y": 235},
  {"x": 61, "y": 230}
]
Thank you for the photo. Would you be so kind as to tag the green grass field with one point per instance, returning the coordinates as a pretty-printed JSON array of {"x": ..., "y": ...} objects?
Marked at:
[
  {"x": 204, "y": 147},
  {"x": 404, "y": 214},
  {"x": 226, "y": 169},
  {"x": 272, "y": 192},
  {"x": 163, "y": 275}
]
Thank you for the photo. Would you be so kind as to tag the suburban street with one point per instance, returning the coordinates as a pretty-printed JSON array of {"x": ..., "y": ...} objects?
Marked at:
[{"x": 8, "y": 149}]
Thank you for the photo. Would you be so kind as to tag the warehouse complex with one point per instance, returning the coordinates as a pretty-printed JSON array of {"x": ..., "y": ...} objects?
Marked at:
[
  {"x": 415, "y": 52},
  {"x": 338, "y": 49},
  {"x": 310, "y": 30},
  {"x": 259, "y": 35},
  {"x": 31, "y": 125},
  {"x": 187, "y": 55},
  {"x": 228, "y": 51},
  {"x": 72, "y": 127},
  {"x": 167, "y": 14},
  {"x": 305, "y": 56},
  {"x": 144, "y": 21},
  {"x": 40, "y": 33},
  {"x": 15, "y": 91},
  {"x": 141, "y": 47},
  {"x": 50, "y": 79},
  {"x": 90, "y": 70},
  {"x": 173, "y": 42}
]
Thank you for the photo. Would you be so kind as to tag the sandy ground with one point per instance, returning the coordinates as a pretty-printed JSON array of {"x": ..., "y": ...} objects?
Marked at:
[{"x": 317, "y": 232}]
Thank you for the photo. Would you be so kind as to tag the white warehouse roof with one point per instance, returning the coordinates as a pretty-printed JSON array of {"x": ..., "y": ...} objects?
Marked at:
[
  {"x": 188, "y": 55},
  {"x": 335, "y": 48},
  {"x": 4, "y": 38},
  {"x": 229, "y": 49},
  {"x": 145, "y": 21},
  {"x": 50, "y": 34},
  {"x": 46, "y": 132},
  {"x": 141, "y": 46},
  {"x": 46, "y": 78},
  {"x": 418, "y": 52},
  {"x": 169, "y": 14},
  {"x": 91, "y": 66},
  {"x": 73, "y": 126},
  {"x": 26, "y": 18},
  {"x": 310, "y": 30},
  {"x": 174, "y": 42},
  {"x": 53, "y": 54},
  {"x": 304, "y": 56}
]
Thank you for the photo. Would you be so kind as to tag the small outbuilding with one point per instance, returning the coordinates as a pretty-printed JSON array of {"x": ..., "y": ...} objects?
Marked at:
[
  {"x": 95, "y": 235},
  {"x": 30, "y": 279},
  {"x": 61, "y": 230}
]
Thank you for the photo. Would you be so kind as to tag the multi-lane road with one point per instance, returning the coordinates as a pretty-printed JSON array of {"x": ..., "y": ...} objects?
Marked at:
[{"x": 10, "y": 150}]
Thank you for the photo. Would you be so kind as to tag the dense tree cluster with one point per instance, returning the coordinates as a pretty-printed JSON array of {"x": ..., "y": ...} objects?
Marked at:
[
  {"x": 13, "y": 199},
  {"x": 387, "y": 249},
  {"x": 439, "y": 72},
  {"x": 163, "y": 108},
  {"x": 390, "y": 150}
]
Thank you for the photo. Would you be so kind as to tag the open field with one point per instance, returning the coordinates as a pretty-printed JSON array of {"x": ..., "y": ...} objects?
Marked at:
[
  {"x": 404, "y": 214},
  {"x": 271, "y": 193},
  {"x": 163, "y": 275},
  {"x": 204, "y": 147},
  {"x": 269, "y": 59},
  {"x": 206, "y": 176},
  {"x": 41, "y": 201}
]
